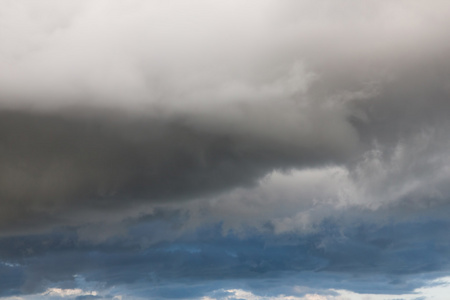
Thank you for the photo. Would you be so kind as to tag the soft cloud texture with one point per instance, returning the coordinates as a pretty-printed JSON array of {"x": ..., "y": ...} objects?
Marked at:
[{"x": 176, "y": 149}]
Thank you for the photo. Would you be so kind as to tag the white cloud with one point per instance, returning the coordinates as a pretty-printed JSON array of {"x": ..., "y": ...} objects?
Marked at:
[
  {"x": 437, "y": 290},
  {"x": 57, "y": 292}
]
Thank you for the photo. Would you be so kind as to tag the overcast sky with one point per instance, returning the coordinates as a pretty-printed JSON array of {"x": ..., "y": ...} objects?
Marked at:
[{"x": 206, "y": 149}]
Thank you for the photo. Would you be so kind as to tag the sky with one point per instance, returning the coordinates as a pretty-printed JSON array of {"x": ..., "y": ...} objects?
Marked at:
[{"x": 206, "y": 149}]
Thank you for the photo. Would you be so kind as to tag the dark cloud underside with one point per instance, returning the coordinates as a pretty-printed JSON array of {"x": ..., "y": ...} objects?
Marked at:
[{"x": 66, "y": 162}]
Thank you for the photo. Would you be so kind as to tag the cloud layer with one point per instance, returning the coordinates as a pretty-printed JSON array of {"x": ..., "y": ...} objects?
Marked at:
[{"x": 153, "y": 146}]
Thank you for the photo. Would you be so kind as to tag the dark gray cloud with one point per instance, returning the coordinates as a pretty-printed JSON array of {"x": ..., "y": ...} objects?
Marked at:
[
  {"x": 71, "y": 162},
  {"x": 54, "y": 161}
]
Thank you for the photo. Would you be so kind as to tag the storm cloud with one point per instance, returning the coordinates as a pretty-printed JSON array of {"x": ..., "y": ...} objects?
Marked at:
[{"x": 153, "y": 146}]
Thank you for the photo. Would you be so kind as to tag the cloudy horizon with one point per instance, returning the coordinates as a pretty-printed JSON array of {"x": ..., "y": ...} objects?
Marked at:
[{"x": 224, "y": 149}]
